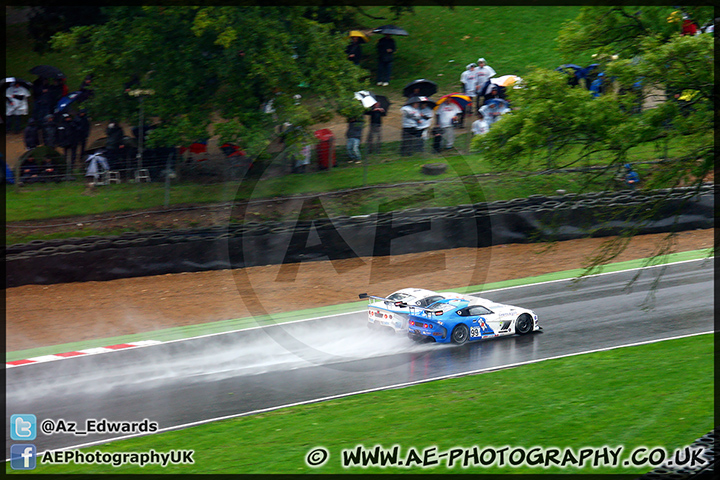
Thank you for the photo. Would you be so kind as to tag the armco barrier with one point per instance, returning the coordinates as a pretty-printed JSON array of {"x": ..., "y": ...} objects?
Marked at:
[{"x": 410, "y": 231}]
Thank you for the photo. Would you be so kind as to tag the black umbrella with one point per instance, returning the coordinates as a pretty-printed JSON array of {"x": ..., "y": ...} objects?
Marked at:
[
  {"x": 383, "y": 101},
  {"x": 390, "y": 30},
  {"x": 10, "y": 80},
  {"x": 424, "y": 88},
  {"x": 47, "y": 71},
  {"x": 420, "y": 99}
]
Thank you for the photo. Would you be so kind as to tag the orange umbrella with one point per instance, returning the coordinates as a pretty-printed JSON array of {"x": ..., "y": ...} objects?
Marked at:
[{"x": 459, "y": 99}]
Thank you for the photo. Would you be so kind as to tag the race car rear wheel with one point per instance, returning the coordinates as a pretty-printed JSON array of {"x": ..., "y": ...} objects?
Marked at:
[
  {"x": 460, "y": 334},
  {"x": 523, "y": 324}
]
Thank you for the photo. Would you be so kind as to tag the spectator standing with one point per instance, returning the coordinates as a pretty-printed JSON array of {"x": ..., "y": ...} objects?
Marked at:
[
  {"x": 386, "y": 51},
  {"x": 354, "y": 50},
  {"x": 114, "y": 144},
  {"x": 85, "y": 89},
  {"x": 82, "y": 127},
  {"x": 424, "y": 124},
  {"x": 31, "y": 135},
  {"x": 96, "y": 165},
  {"x": 480, "y": 126},
  {"x": 468, "y": 79},
  {"x": 43, "y": 99},
  {"x": 484, "y": 74},
  {"x": 447, "y": 111},
  {"x": 495, "y": 92},
  {"x": 354, "y": 136},
  {"x": 16, "y": 106},
  {"x": 688, "y": 26},
  {"x": 56, "y": 93},
  {"x": 596, "y": 87},
  {"x": 49, "y": 131},
  {"x": 631, "y": 177},
  {"x": 374, "y": 138},
  {"x": 67, "y": 139},
  {"x": 410, "y": 117},
  {"x": 492, "y": 112}
]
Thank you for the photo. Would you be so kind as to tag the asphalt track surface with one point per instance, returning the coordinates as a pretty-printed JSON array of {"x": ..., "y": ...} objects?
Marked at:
[{"x": 198, "y": 380}]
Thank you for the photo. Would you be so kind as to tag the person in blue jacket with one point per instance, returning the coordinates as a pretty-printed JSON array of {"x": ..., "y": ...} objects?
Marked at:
[{"x": 631, "y": 177}]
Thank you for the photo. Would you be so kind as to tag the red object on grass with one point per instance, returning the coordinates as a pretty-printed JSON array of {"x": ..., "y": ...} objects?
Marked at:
[{"x": 326, "y": 148}]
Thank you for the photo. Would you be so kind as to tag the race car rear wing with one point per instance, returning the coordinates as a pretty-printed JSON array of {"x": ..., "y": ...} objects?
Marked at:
[{"x": 383, "y": 299}]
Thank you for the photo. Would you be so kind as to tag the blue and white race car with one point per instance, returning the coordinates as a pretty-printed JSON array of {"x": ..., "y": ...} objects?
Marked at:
[
  {"x": 392, "y": 312},
  {"x": 462, "y": 320}
]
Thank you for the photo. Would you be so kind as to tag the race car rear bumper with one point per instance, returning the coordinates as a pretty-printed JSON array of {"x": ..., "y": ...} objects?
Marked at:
[{"x": 416, "y": 334}]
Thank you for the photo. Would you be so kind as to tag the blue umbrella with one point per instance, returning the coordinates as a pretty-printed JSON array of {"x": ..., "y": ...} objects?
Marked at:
[
  {"x": 499, "y": 102},
  {"x": 65, "y": 101}
]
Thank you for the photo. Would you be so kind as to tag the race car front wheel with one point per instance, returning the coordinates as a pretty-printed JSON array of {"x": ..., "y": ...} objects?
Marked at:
[
  {"x": 460, "y": 334},
  {"x": 523, "y": 324}
]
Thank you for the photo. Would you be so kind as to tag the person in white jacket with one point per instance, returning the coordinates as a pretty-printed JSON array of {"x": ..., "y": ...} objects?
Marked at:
[
  {"x": 16, "y": 104},
  {"x": 424, "y": 124},
  {"x": 480, "y": 126},
  {"x": 492, "y": 111},
  {"x": 445, "y": 113},
  {"x": 97, "y": 164},
  {"x": 410, "y": 118},
  {"x": 483, "y": 73},
  {"x": 469, "y": 82}
]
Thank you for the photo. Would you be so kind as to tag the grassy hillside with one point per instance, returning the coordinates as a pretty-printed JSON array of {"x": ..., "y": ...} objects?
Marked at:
[{"x": 443, "y": 41}]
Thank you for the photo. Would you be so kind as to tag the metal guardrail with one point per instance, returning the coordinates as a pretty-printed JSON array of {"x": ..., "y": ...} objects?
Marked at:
[{"x": 527, "y": 220}]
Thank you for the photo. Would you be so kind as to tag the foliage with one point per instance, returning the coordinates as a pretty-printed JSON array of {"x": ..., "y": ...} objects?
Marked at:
[
  {"x": 648, "y": 59},
  {"x": 226, "y": 62},
  {"x": 619, "y": 30},
  {"x": 45, "y": 21},
  {"x": 550, "y": 114}
]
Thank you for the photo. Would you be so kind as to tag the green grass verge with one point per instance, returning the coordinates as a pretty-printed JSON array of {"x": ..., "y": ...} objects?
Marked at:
[
  {"x": 660, "y": 394},
  {"x": 244, "y": 323}
]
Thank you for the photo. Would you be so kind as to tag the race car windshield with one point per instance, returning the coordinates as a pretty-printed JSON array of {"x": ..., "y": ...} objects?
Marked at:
[
  {"x": 442, "y": 303},
  {"x": 400, "y": 296}
]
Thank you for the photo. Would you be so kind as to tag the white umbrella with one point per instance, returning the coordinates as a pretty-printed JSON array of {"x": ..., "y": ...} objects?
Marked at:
[
  {"x": 366, "y": 98},
  {"x": 507, "y": 80}
]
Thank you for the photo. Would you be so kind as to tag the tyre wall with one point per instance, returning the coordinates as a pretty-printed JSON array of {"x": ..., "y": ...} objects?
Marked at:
[{"x": 534, "y": 219}]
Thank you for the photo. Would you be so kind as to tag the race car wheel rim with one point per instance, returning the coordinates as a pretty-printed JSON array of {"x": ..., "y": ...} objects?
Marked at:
[
  {"x": 460, "y": 334},
  {"x": 523, "y": 324}
]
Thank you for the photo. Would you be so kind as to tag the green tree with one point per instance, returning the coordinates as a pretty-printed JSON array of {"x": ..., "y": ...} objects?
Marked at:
[
  {"x": 217, "y": 65},
  {"x": 642, "y": 55}
]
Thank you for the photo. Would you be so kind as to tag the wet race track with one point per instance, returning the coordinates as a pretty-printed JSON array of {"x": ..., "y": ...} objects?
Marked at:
[{"x": 193, "y": 381}]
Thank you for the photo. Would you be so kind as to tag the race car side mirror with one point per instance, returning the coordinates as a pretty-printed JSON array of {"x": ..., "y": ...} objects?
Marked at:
[
  {"x": 363, "y": 296},
  {"x": 401, "y": 304}
]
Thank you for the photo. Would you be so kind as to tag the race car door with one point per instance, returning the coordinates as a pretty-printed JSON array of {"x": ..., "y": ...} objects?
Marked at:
[{"x": 483, "y": 321}]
